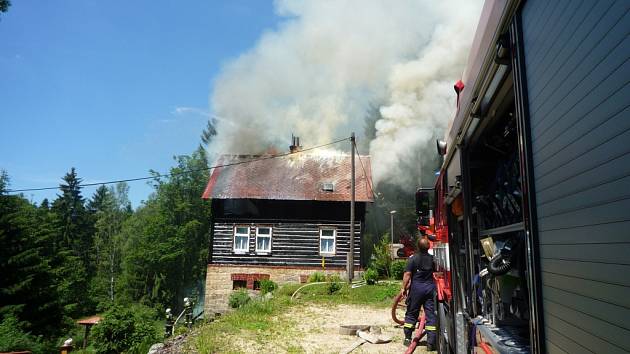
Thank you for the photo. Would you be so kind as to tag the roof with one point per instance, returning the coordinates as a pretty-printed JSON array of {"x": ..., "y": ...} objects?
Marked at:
[
  {"x": 299, "y": 176},
  {"x": 89, "y": 320}
]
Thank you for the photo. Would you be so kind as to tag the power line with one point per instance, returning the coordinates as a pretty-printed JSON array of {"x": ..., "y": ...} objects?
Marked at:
[{"x": 183, "y": 172}]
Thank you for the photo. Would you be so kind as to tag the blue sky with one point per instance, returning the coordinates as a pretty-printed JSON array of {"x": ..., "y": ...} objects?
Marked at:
[{"x": 113, "y": 88}]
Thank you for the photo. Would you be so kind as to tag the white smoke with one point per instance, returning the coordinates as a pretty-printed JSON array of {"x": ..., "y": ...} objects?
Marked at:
[{"x": 318, "y": 74}]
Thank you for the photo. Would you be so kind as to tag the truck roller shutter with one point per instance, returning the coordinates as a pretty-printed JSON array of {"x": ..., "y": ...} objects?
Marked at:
[{"x": 578, "y": 73}]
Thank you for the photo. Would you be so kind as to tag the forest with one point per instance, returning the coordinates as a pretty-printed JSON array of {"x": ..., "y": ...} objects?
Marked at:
[{"x": 80, "y": 255}]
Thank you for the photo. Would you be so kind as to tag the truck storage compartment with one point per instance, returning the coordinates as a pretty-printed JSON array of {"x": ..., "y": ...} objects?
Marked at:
[{"x": 496, "y": 228}]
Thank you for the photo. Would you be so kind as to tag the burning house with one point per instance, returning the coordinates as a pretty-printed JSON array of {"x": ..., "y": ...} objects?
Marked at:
[{"x": 282, "y": 219}]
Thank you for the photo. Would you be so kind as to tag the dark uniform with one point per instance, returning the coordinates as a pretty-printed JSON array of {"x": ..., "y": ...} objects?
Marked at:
[{"x": 421, "y": 294}]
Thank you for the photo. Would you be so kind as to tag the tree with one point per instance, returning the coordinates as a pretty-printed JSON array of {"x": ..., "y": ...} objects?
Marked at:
[
  {"x": 73, "y": 247},
  {"x": 167, "y": 237},
  {"x": 111, "y": 206},
  {"x": 27, "y": 289},
  {"x": 4, "y": 5},
  {"x": 209, "y": 132},
  {"x": 4, "y": 180}
]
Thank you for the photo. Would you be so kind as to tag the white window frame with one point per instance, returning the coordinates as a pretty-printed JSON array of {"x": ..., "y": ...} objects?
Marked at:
[
  {"x": 270, "y": 236},
  {"x": 240, "y": 250},
  {"x": 333, "y": 237}
]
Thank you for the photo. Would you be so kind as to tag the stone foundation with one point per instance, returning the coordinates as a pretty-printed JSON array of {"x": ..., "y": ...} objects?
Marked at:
[{"x": 220, "y": 278}]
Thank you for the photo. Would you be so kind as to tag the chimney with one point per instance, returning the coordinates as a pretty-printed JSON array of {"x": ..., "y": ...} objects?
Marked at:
[{"x": 295, "y": 144}]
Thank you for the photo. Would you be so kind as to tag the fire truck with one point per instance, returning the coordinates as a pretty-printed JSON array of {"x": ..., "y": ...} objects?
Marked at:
[{"x": 531, "y": 207}]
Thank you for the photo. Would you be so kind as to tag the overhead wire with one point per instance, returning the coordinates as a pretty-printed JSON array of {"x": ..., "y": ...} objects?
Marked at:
[{"x": 209, "y": 168}]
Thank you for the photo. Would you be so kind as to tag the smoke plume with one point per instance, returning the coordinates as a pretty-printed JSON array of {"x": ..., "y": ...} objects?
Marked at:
[{"x": 320, "y": 73}]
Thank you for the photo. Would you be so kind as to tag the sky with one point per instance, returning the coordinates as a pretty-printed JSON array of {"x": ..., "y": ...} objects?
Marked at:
[{"x": 112, "y": 88}]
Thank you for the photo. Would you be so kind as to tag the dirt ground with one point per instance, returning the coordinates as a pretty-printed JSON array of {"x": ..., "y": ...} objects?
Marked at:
[{"x": 317, "y": 331}]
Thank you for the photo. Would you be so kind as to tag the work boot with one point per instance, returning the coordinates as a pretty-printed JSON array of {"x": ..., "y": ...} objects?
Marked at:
[
  {"x": 431, "y": 347},
  {"x": 407, "y": 342},
  {"x": 408, "y": 334}
]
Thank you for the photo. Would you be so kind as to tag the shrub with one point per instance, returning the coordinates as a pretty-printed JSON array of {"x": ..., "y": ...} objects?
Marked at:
[
  {"x": 267, "y": 286},
  {"x": 370, "y": 275},
  {"x": 381, "y": 257},
  {"x": 13, "y": 338},
  {"x": 317, "y": 277},
  {"x": 122, "y": 329},
  {"x": 333, "y": 287},
  {"x": 335, "y": 283},
  {"x": 239, "y": 298},
  {"x": 397, "y": 269}
]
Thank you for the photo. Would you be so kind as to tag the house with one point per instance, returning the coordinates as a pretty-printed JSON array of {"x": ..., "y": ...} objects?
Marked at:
[{"x": 281, "y": 219}]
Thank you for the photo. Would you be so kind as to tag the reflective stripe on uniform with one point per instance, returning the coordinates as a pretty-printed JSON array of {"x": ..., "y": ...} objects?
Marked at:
[
  {"x": 429, "y": 328},
  {"x": 409, "y": 325}
]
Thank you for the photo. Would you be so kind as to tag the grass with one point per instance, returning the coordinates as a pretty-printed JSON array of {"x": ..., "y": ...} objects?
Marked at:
[{"x": 259, "y": 322}]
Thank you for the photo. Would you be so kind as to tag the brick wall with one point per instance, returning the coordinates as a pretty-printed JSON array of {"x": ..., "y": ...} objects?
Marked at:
[{"x": 219, "y": 280}]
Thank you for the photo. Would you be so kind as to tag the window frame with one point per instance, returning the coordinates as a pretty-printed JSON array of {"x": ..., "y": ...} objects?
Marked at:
[
  {"x": 333, "y": 237},
  {"x": 270, "y": 236},
  {"x": 235, "y": 234}
]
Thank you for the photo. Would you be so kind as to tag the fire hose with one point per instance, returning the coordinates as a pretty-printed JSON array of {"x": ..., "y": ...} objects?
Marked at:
[{"x": 419, "y": 331}]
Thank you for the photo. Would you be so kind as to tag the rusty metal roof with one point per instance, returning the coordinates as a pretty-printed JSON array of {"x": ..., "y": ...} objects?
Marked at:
[{"x": 299, "y": 176}]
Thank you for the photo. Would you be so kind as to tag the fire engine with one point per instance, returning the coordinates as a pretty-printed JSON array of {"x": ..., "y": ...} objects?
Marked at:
[{"x": 530, "y": 207}]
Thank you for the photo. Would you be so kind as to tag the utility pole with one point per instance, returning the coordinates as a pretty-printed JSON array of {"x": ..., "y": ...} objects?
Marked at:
[
  {"x": 391, "y": 221},
  {"x": 350, "y": 269}
]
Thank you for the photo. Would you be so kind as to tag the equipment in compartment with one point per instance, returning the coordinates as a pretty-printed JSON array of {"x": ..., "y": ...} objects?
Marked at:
[
  {"x": 503, "y": 294},
  {"x": 498, "y": 199}
]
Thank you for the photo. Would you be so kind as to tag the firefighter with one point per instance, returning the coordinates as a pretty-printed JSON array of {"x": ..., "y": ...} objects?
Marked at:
[{"x": 419, "y": 287}]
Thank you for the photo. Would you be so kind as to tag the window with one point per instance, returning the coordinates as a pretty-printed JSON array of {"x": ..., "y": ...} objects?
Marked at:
[
  {"x": 241, "y": 239},
  {"x": 239, "y": 284},
  {"x": 327, "y": 241},
  {"x": 328, "y": 187},
  {"x": 263, "y": 239}
]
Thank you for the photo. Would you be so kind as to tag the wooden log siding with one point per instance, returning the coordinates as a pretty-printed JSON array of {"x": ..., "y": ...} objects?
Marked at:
[{"x": 292, "y": 244}]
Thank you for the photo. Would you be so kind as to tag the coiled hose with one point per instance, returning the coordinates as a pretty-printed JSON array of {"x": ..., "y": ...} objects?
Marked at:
[{"x": 499, "y": 265}]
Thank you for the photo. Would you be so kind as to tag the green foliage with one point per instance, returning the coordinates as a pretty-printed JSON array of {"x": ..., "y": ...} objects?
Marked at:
[
  {"x": 239, "y": 298},
  {"x": 166, "y": 239},
  {"x": 381, "y": 258},
  {"x": 73, "y": 248},
  {"x": 122, "y": 329},
  {"x": 370, "y": 276},
  {"x": 317, "y": 277},
  {"x": 333, "y": 278},
  {"x": 13, "y": 338},
  {"x": 267, "y": 286},
  {"x": 397, "y": 269},
  {"x": 70, "y": 257},
  {"x": 335, "y": 283},
  {"x": 333, "y": 287},
  {"x": 27, "y": 282},
  {"x": 4, "y": 5}
]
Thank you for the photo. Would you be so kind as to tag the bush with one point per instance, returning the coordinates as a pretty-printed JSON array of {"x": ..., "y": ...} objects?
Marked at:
[
  {"x": 381, "y": 257},
  {"x": 370, "y": 275},
  {"x": 122, "y": 329},
  {"x": 267, "y": 286},
  {"x": 397, "y": 269},
  {"x": 333, "y": 278},
  {"x": 317, "y": 277},
  {"x": 333, "y": 287},
  {"x": 239, "y": 298},
  {"x": 13, "y": 338},
  {"x": 335, "y": 283}
]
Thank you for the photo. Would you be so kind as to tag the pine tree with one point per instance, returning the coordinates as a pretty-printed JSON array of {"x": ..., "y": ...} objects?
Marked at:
[
  {"x": 27, "y": 289},
  {"x": 209, "y": 132},
  {"x": 73, "y": 261}
]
